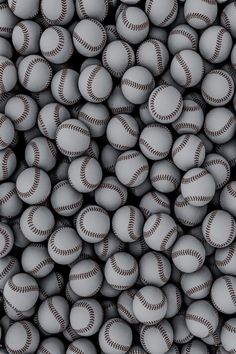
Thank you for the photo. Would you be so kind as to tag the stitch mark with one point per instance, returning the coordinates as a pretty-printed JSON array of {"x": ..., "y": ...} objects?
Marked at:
[
  {"x": 171, "y": 14},
  {"x": 219, "y": 40},
  {"x": 121, "y": 271},
  {"x": 196, "y": 15},
  {"x": 88, "y": 46},
  {"x": 152, "y": 105},
  {"x": 26, "y": 38},
  {"x": 61, "y": 252},
  {"x": 197, "y": 154},
  {"x": 132, "y": 26},
  {"x": 227, "y": 96},
  {"x": 208, "y": 230},
  {"x": 60, "y": 45},
  {"x": 30, "y": 68},
  {"x": 8, "y": 268},
  {"x": 7, "y": 153},
  {"x": 32, "y": 226},
  {"x": 189, "y": 252},
  {"x": 197, "y": 288},
  {"x": 40, "y": 265},
  {"x": 85, "y": 275},
  {"x": 56, "y": 314},
  {"x": 122, "y": 309},
  {"x": 227, "y": 259},
  {"x": 28, "y": 340},
  {"x": 3, "y": 66},
  {"x": 6, "y": 241},
  {"x": 8, "y": 196},
  {"x": 137, "y": 86},
  {"x": 136, "y": 175},
  {"x": 61, "y": 88},
  {"x": 187, "y": 35},
  {"x": 91, "y": 77},
  {"x": 201, "y": 320},
  {"x": 151, "y": 149},
  {"x": 85, "y": 305},
  {"x": 21, "y": 289},
  {"x": 170, "y": 233},
  {"x": 84, "y": 117},
  {"x": 221, "y": 131},
  {"x": 148, "y": 305},
  {"x": 26, "y": 111},
  {"x": 186, "y": 69},
  {"x": 152, "y": 230},
  {"x": 194, "y": 178},
  {"x": 61, "y": 16},
  {"x": 110, "y": 342},
  {"x": 107, "y": 185},
  {"x": 165, "y": 177}
]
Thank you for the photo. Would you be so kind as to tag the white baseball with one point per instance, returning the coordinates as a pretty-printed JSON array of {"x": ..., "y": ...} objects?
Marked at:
[
  {"x": 90, "y": 314},
  {"x": 117, "y": 57},
  {"x": 188, "y": 214},
  {"x": 33, "y": 185},
  {"x": 53, "y": 314},
  {"x": 41, "y": 152},
  {"x": 95, "y": 84},
  {"x": 225, "y": 259},
  {"x": 22, "y": 291},
  {"x": 155, "y": 141},
  {"x": 188, "y": 254},
  {"x": 115, "y": 336},
  {"x": 154, "y": 269},
  {"x": 83, "y": 344},
  {"x": 227, "y": 18},
  {"x": 9, "y": 265},
  {"x": 200, "y": 14},
  {"x": 8, "y": 20},
  {"x": 215, "y": 44},
  {"x": 219, "y": 168},
  {"x": 92, "y": 9},
  {"x": 220, "y": 125},
  {"x": 64, "y": 87},
  {"x": 22, "y": 336},
  {"x": 228, "y": 335},
  {"x": 198, "y": 186},
  {"x": 58, "y": 12},
  {"x": 162, "y": 111},
  {"x": 154, "y": 202},
  {"x": 25, "y": 37},
  {"x": 64, "y": 251},
  {"x": 182, "y": 37},
  {"x": 71, "y": 201},
  {"x": 122, "y": 132},
  {"x": 181, "y": 332},
  {"x": 131, "y": 168},
  {"x": 127, "y": 223},
  {"x": 11, "y": 204},
  {"x": 52, "y": 284},
  {"x": 89, "y": 37},
  {"x": 8, "y": 75},
  {"x": 160, "y": 231},
  {"x": 51, "y": 344},
  {"x": 36, "y": 261},
  {"x": 22, "y": 111},
  {"x": 197, "y": 285},
  {"x": 111, "y": 194},
  {"x": 96, "y": 117},
  {"x": 223, "y": 292},
  {"x": 108, "y": 246},
  {"x": 34, "y": 73},
  {"x": 117, "y": 102},
  {"x": 201, "y": 318},
  {"x": 149, "y": 305},
  {"x": 86, "y": 278},
  {"x": 7, "y": 132},
  {"x": 174, "y": 299},
  {"x": 217, "y": 88},
  {"x": 157, "y": 339},
  {"x": 212, "y": 228},
  {"x": 187, "y": 68},
  {"x": 37, "y": 223},
  {"x": 132, "y": 24},
  {"x": 56, "y": 45},
  {"x": 72, "y": 137},
  {"x": 7, "y": 163},
  {"x": 153, "y": 55},
  {"x": 161, "y": 13},
  {"x": 121, "y": 271}
]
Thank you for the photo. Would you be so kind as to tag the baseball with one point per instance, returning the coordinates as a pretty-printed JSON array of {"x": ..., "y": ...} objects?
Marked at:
[
  {"x": 64, "y": 87},
  {"x": 182, "y": 37},
  {"x": 161, "y": 13},
  {"x": 188, "y": 249},
  {"x": 158, "y": 107},
  {"x": 25, "y": 37},
  {"x": 187, "y": 68},
  {"x": 223, "y": 292},
  {"x": 191, "y": 119},
  {"x": 200, "y": 14},
  {"x": 96, "y": 117},
  {"x": 58, "y": 12},
  {"x": 187, "y": 214}
]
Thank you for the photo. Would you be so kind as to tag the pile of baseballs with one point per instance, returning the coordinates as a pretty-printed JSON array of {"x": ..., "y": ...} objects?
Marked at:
[{"x": 117, "y": 176}]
